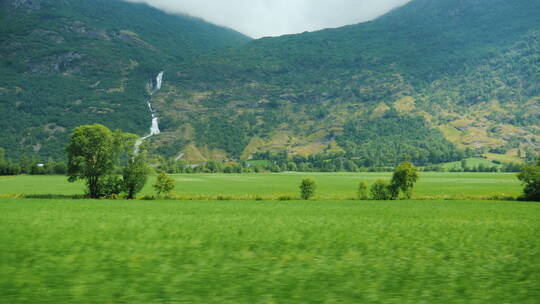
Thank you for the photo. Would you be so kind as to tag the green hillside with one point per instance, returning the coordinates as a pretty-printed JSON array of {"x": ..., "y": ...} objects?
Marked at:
[
  {"x": 442, "y": 75},
  {"x": 66, "y": 63},
  {"x": 432, "y": 81}
]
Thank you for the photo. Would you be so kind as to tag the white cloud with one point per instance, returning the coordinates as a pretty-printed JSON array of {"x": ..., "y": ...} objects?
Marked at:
[{"x": 259, "y": 18}]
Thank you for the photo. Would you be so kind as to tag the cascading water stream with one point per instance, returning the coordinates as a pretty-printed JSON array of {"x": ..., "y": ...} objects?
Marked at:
[
  {"x": 159, "y": 81},
  {"x": 154, "y": 128}
]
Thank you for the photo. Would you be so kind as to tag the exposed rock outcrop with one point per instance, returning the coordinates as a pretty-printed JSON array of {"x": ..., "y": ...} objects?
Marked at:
[{"x": 65, "y": 62}]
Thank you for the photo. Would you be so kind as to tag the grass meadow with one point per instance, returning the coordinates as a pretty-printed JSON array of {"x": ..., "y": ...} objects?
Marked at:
[
  {"x": 320, "y": 251},
  {"x": 271, "y": 186},
  {"x": 64, "y": 251}
]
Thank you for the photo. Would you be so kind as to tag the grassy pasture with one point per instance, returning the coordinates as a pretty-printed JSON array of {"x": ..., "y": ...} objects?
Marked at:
[
  {"x": 471, "y": 163},
  {"x": 63, "y": 251},
  {"x": 330, "y": 185}
]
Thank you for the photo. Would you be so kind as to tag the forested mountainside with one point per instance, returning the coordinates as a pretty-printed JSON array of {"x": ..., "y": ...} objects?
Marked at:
[
  {"x": 430, "y": 81},
  {"x": 70, "y": 62},
  {"x": 426, "y": 81}
]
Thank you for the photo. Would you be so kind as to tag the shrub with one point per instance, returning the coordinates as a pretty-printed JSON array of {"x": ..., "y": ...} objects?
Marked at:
[
  {"x": 363, "y": 191},
  {"x": 530, "y": 177},
  {"x": 285, "y": 198},
  {"x": 164, "y": 184},
  {"x": 380, "y": 190},
  {"x": 307, "y": 188}
]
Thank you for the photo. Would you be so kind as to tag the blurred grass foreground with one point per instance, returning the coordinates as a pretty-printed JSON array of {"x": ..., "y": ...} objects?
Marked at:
[{"x": 82, "y": 251}]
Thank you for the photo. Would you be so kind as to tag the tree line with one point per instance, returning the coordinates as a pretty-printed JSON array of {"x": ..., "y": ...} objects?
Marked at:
[
  {"x": 30, "y": 165},
  {"x": 281, "y": 161}
]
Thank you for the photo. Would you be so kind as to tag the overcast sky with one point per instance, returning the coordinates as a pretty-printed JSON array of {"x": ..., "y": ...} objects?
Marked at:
[{"x": 260, "y": 18}]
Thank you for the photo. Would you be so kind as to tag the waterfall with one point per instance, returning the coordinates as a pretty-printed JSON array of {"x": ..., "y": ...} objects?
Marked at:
[
  {"x": 154, "y": 128},
  {"x": 159, "y": 81}
]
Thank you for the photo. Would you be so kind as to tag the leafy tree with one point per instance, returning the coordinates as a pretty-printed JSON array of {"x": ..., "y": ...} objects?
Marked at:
[
  {"x": 93, "y": 152},
  {"x": 307, "y": 188},
  {"x": 164, "y": 184},
  {"x": 405, "y": 175},
  {"x": 380, "y": 190},
  {"x": 363, "y": 191},
  {"x": 135, "y": 175},
  {"x": 530, "y": 177}
]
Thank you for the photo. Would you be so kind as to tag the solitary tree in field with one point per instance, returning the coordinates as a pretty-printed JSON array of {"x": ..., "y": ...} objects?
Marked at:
[
  {"x": 164, "y": 184},
  {"x": 135, "y": 175},
  {"x": 92, "y": 155},
  {"x": 404, "y": 178},
  {"x": 530, "y": 176},
  {"x": 307, "y": 188}
]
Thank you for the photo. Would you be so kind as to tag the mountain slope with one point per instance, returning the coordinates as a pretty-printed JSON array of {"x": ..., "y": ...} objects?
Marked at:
[
  {"x": 468, "y": 70},
  {"x": 431, "y": 81},
  {"x": 71, "y": 62}
]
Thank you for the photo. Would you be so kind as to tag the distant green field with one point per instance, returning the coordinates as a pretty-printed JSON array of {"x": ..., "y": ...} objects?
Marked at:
[
  {"x": 330, "y": 185},
  {"x": 81, "y": 251},
  {"x": 471, "y": 163}
]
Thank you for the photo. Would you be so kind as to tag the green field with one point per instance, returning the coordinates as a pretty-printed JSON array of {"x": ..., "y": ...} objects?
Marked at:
[
  {"x": 330, "y": 250},
  {"x": 82, "y": 251},
  {"x": 330, "y": 185},
  {"x": 471, "y": 163}
]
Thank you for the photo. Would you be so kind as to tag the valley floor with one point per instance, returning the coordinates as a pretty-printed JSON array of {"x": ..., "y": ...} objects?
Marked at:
[
  {"x": 274, "y": 185},
  {"x": 82, "y": 251}
]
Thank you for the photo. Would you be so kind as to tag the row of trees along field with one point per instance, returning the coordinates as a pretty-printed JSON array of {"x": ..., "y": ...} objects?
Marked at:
[
  {"x": 324, "y": 162},
  {"x": 30, "y": 165},
  {"x": 279, "y": 161}
]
